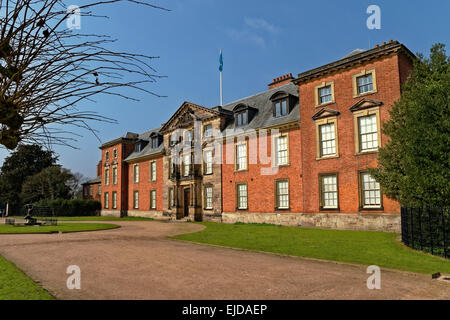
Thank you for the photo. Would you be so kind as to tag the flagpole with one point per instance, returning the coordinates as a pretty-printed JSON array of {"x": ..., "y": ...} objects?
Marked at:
[{"x": 221, "y": 88}]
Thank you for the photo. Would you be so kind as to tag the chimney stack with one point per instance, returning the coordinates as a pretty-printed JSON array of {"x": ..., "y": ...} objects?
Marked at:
[{"x": 281, "y": 81}]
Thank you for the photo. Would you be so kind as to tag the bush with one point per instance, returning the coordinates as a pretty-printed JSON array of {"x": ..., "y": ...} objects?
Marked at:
[{"x": 72, "y": 208}]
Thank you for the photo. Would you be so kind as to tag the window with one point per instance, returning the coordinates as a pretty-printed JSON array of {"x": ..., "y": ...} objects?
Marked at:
[
  {"x": 171, "y": 168},
  {"x": 281, "y": 108},
  {"x": 208, "y": 197},
  {"x": 327, "y": 139},
  {"x": 137, "y": 147},
  {"x": 91, "y": 190},
  {"x": 153, "y": 199},
  {"x": 282, "y": 194},
  {"x": 153, "y": 170},
  {"x": 171, "y": 198},
  {"x": 208, "y": 162},
  {"x": 281, "y": 150},
  {"x": 368, "y": 133},
  {"x": 99, "y": 190},
  {"x": 114, "y": 200},
  {"x": 241, "y": 196},
  {"x": 241, "y": 119},
  {"x": 114, "y": 175},
  {"x": 115, "y": 153},
  {"x": 328, "y": 191},
  {"x": 107, "y": 156},
  {"x": 186, "y": 164},
  {"x": 189, "y": 136},
  {"x": 370, "y": 191},
  {"x": 324, "y": 93},
  {"x": 85, "y": 189},
  {"x": 364, "y": 82},
  {"x": 241, "y": 156},
  {"x": 208, "y": 130},
  {"x": 136, "y": 199},
  {"x": 173, "y": 139},
  {"x": 106, "y": 204},
  {"x": 107, "y": 176},
  {"x": 136, "y": 173},
  {"x": 155, "y": 143}
]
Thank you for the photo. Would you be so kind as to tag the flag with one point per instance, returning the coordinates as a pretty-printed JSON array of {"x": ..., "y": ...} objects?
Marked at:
[{"x": 220, "y": 62}]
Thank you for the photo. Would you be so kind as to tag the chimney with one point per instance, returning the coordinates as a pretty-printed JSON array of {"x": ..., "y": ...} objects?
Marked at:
[{"x": 281, "y": 81}]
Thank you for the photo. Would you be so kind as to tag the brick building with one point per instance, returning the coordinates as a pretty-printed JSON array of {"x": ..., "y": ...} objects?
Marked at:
[{"x": 295, "y": 154}]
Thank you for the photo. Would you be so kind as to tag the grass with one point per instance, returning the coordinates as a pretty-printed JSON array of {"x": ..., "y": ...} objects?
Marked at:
[
  {"x": 15, "y": 285},
  {"x": 99, "y": 218},
  {"x": 359, "y": 247},
  {"x": 61, "y": 227}
]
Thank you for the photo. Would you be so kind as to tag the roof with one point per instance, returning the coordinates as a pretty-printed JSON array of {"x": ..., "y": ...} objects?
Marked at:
[
  {"x": 355, "y": 56},
  {"x": 261, "y": 102},
  {"x": 94, "y": 181},
  {"x": 147, "y": 150}
]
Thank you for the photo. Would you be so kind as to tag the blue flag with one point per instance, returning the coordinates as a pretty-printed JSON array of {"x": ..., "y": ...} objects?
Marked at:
[{"x": 220, "y": 62}]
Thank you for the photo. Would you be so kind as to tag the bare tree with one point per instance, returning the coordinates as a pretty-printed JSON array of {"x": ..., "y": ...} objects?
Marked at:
[{"x": 47, "y": 69}]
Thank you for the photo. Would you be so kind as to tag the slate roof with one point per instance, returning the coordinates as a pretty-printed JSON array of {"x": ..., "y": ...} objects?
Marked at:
[
  {"x": 147, "y": 150},
  {"x": 94, "y": 181},
  {"x": 264, "y": 117}
]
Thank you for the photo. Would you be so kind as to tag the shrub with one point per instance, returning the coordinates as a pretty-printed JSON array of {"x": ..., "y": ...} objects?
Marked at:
[{"x": 72, "y": 208}]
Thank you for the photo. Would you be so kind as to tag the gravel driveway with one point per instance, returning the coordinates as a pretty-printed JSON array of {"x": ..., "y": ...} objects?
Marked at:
[{"x": 137, "y": 261}]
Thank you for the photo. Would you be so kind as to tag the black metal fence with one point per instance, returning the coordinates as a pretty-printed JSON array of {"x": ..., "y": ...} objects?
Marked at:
[{"x": 427, "y": 229}]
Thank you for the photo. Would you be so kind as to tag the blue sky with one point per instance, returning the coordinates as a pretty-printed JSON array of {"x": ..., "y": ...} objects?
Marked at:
[{"x": 261, "y": 40}]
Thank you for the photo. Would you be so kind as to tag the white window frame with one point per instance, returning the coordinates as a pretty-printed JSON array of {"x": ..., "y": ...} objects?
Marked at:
[
  {"x": 241, "y": 157},
  {"x": 153, "y": 171},
  {"x": 208, "y": 162},
  {"x": 241, "y": 203},
  {"x": 278, "y": 150},
  {"x": 114, "y": 199},
  {"x": 136, "y": 173},
  {"x": 136, "y": 199},
  {"x": 208, "y": 197},
  {"x": 279, "y": 195},
  {"x": 153, "y": 199}
]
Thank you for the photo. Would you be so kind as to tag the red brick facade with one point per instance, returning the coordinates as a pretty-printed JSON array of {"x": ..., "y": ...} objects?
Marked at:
[{"x": 350, "y": 98}]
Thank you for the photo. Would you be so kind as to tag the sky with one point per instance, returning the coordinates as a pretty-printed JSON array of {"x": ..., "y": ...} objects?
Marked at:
[{"x": 260, "y": 39}]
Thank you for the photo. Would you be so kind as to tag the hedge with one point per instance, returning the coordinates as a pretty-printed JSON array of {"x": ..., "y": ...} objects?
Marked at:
[{"x": 71, "y": 208}]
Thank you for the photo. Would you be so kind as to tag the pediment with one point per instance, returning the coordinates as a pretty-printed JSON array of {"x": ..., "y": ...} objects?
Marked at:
[
  {"x": 325, "y": 113},
  {"x": 186, "y": 115},
  {"x": 366, "y": 103}
]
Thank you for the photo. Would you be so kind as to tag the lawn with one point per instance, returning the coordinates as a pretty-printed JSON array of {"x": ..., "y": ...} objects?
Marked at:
[
  {"x": 360, "y": 247},
  {"x": 61, "y": 227},
  {"x": 15, "y": 285}
]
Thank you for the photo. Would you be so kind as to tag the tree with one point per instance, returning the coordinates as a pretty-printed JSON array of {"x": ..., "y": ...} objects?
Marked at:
[
  {"x": 47, "y": 69},
  {"x": 414, "y": 166},
  {"x": 26, "y": 161},
  {"x": 51, "y": 183}
]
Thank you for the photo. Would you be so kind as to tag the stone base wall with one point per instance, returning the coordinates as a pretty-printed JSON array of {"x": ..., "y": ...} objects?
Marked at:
[
  {"x": 343, "y": 221},
  {"x": 110, "y": 213},
  {"x": 148, "y": 214}
]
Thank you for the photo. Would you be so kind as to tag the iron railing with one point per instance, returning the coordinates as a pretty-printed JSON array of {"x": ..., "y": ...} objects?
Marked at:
[{"x": 427, "y": 229}]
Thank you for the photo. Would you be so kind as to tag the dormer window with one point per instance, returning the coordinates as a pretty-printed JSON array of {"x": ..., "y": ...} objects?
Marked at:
[
  {"x": 173, "y": 139},
  {"x": 137, "y": 147},
  {"x": 283, "y": 102},
  {"x": 155, "y": 142},
  {"x": 243, "y": 114},
  {"x": 281, "y": 108},
  {"x": 241, "y": 119}
]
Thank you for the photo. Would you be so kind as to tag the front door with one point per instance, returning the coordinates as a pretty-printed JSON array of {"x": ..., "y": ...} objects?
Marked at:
[{"x": 187, "y": 198}]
